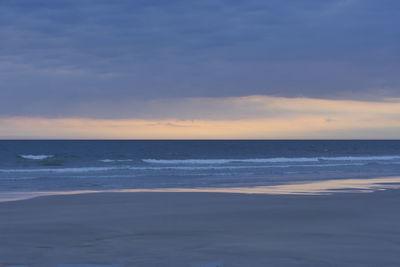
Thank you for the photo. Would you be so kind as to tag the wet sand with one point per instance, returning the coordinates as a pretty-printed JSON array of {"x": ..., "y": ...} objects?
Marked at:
[{"x": 202, "y": 229}]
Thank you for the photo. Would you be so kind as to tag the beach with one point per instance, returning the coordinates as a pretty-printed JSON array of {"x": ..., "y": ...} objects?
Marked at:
[
  {"x": 202, "y": 229},
  {"x": 199, "y": 133}
]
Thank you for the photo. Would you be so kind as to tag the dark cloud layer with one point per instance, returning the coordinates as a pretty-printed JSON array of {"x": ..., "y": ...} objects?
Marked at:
[{"x": 57, "y": 56}]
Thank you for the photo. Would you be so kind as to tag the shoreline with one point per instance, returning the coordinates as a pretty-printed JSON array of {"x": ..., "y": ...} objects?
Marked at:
[
  {"x": 202, "y": 230},
  {"x": 320, "y": 187}
]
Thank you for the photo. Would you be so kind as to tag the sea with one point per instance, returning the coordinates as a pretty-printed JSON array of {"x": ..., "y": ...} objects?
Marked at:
[{"x": 101, "y": 165}]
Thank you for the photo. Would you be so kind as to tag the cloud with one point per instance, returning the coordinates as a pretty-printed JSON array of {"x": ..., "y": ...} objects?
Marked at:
[
  {"x": 56, "y": 55},
  {"x": 231, "y": 108},
  {"x": 253, "y": 117}
]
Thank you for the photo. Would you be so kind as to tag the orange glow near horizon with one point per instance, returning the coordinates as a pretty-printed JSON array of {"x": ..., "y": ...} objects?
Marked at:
[{"x": 275, "y": 118}]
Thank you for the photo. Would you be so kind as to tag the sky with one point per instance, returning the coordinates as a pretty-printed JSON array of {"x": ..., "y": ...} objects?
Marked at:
[{"x": 210, "y": 69}]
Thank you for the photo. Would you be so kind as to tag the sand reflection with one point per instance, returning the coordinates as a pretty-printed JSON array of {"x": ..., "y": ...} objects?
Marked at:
[{"x": 303, "y": 188}]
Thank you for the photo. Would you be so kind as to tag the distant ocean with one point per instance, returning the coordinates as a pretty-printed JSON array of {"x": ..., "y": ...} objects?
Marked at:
[{"x": 28, "y": 166}]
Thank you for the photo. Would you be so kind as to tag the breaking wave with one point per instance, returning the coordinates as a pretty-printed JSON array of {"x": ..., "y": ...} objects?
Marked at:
[
  {"x": 114, "y": 160},
  {"x": 36, "y": 157},
  {"x": 269, "y": 160}
]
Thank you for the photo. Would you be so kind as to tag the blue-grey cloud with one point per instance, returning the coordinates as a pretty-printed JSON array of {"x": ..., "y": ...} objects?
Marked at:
[{"x": 57, "y": 55}]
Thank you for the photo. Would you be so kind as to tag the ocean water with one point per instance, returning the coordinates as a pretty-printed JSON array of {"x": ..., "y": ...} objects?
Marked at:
[{"x": 30, "y": 166}]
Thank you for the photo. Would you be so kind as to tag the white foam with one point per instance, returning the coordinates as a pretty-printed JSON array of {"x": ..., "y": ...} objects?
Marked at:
[
  {"x": 88, "y": 265},
  {"x": 225, "y": 161},
  {"x": 36, "y": 157},
  {"x": 357, "y": 158},
  {"x": 269, "y": 160},
  {"x": 114, "y": 160},
  {"x": 60, "y": 170},
  {"x": 187, "y": 168}
]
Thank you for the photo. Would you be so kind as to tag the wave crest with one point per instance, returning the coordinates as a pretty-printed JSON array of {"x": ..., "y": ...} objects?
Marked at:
[
  {"x": 114, "y": 160},
  {"x": 36, "y": 157},
  {"x": 269, "y": 160}
]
